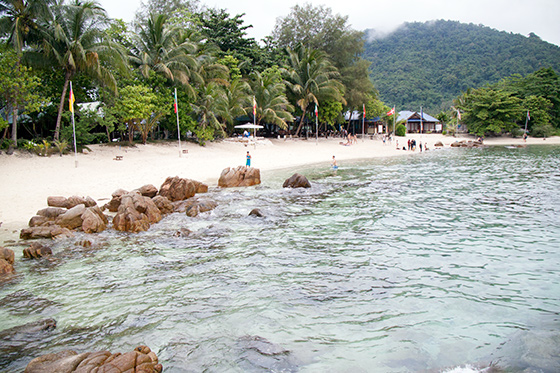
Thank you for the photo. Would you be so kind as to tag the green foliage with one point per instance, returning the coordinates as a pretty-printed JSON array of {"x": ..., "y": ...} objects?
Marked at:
[
  {"x": 543, "y": 130},
  {"x": 428, "y": 64},
  {"x": 330, "y": 112},
  {"x": 61, "y": 146},
  {"x": 400, "y": 130},
  {"x": 272, "y": 104}
]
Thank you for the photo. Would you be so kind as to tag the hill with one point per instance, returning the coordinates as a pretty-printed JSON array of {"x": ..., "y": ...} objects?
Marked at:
[{"x": 429, "y": 64}]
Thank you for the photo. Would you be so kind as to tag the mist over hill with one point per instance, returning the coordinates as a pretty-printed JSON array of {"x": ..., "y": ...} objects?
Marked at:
[{"x": 429, "y": 64}]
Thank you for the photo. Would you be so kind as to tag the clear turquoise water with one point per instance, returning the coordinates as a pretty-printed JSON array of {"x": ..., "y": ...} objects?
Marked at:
[{"x": 415, "y": 263}]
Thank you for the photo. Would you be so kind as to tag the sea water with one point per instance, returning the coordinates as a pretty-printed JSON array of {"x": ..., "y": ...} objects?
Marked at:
[{"x": 406, "y": 264}]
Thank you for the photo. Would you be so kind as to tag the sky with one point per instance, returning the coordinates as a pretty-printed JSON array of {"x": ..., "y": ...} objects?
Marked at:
[{"x": 517, "y": 16}]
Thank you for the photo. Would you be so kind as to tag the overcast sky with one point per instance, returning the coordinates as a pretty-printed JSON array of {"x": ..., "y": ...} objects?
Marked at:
[{"x": 517, "y": 16}]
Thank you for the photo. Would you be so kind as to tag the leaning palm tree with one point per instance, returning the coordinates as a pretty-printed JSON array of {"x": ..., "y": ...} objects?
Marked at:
[
  {"x": 74, "y": 43},
  {"x": 311, "y": 77},
  {"x": 166, "y": 50},
  {"x": 272, "y": 106},
  {"x": 20, "y": 23}
]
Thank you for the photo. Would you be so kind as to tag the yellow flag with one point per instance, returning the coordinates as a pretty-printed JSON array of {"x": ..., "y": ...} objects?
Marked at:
[{"x": 71, "y": 100}]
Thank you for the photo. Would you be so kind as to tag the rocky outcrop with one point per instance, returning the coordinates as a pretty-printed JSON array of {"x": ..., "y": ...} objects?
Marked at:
[
  {"x": 148, "y": 191},
  {"x": 36, "y": 251},
  {"x": 195, "y": 206},
  {"x": 163, "y": 204},
  {"x": 56, "y": 221},
  {"x": 179, "y": 189},
  {"x": 141, "y": 359},
  {"x": 136, "y": 213},
  {"x": 6, "y": 261},
  {"x": 438, "y": 144},
  {"x": 297, "y": 181},
  {"x": 113, "y": 205},
  {"x": 467, "y": 144},
  {"x": 239, "y": 177}
]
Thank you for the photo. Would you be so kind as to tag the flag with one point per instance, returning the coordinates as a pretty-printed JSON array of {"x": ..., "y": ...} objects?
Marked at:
[
  {"x": 364, "y": 111},
  {"x": 175, "y": 102},
  {"x": 71, "y": 99},
  {"x": 316, "y": 110},
  {"x": 528, "y": 116},
  {"x": 391, "y": 112},
  {"x": 254, "y": 106},
  {"x": 458, "y": 115}
]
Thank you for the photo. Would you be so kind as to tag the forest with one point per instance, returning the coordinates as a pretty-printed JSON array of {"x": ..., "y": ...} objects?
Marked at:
[{"x": 181, "y": 66}]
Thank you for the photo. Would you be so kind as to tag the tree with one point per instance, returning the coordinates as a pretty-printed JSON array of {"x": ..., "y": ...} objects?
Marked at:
[
  {"x": 74, "y": 43},
  {"x": 236, "y": 99},
  {"x": 272, "y": 106},
  {"x": 19, "y": 89},
  {"x": 160, "y": 47},
  {"x": 208, "y": 109},
  {"x": 137, "y": 108},
  {"x": 21, "y": 21},
  {"x": 330, "y": 112},
  {"x": 311, "y": 77},
  {"x": 180, "y": 11},
  {"x": 491, "y": 111}
]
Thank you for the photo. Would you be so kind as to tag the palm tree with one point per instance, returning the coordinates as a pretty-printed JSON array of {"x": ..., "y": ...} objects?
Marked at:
[
  {"x": 236, "y": 98},
  {"x": 311, "y": 77},
  {"x": 270, "y": 98},
  {"x": 74, "y": 43},
  {"x": 20, "y": 22},
  {"x": 208, "y": 108},
  {"x": 166, "y": 50}
]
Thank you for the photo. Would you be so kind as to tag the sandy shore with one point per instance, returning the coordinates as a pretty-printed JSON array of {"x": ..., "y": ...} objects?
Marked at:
[{"x": 27, "y": 180}]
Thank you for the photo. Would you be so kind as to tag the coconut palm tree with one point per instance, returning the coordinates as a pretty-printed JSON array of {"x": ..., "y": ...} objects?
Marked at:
[
  {"x": 74, "y": 43},
  {"x": 272, "y": 106},
  {"x": 20, "y": 22},
  {"x": 237, "y": 96},
  {"x": 166, "y": 50},
  {"x": 311, "y": 77},
  {"x": 209, "y": 108}
]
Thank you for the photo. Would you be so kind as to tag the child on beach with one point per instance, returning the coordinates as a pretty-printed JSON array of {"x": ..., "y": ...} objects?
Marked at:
[
  {"x": 248, "y": 164},
  {"x": 334, "y": 165}
]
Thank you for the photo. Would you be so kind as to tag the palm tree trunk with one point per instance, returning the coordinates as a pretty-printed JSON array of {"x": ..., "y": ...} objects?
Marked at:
[
  {"x": 61, "y": 106},
  {"x": 13, "y": 145},
  {"x": 300, "y": 122}
]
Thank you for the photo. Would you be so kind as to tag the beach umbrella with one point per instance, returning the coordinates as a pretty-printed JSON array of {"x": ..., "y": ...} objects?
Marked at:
[{"x": 249, "y": 126}]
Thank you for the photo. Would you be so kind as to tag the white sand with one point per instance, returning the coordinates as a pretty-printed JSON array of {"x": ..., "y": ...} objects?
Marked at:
[{"x": 27, "y": 180}]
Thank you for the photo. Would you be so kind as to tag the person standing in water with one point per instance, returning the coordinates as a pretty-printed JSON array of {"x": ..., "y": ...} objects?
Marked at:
[
  {"x": 334, "y": 165},
  {"x": 248, "y": 164}
]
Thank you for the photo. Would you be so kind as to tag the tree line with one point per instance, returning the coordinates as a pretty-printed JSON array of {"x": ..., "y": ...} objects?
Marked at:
[{"x": 133, "y": 69}]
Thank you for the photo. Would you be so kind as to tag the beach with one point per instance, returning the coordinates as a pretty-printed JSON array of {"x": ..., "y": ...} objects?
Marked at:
[{"x": 29, "y": 179}]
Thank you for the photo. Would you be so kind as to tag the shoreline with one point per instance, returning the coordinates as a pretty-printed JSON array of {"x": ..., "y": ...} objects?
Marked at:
[{"x": 29, "y": 179}]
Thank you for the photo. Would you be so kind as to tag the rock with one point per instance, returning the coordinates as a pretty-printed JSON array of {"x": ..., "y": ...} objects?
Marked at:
[
  {"x": 76, "y": 200},
  {"x": 259, "y": 354},
  {"x": 38, "y": 220},
  {"x": 256, "y": 212},
  {"x": 193, "y": 207},
  {"x": 93, "y": 220},
  {"x": 45, "y": 231},
  {"x": 178, "y": 189},
  {"x": 438, "y": 144},
  {"x": 142, "y": 359},
  {"x": 200, "y": 187},
  {"x": 51, "y": 212},
  {"x": 7, "y": 255},
  {"x": 239, "y": 177},
  {"x": 72, "y": 218},
  {"x": 57, "y": 201},
  {"x": 148, "y": 190},
  {"x": 297, "y": 181},
  {"x": 136, "y": 213},
  {"x": 115, "y": 202},
  {"x": 36, "y": 251},
  {"x": 163, "y": 204},
  {"x": 183, "y": 232}
]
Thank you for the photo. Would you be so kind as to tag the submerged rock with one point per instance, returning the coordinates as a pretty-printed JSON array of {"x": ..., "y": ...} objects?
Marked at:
[
  {"x": 239, "y": 177},
  {"x": 259, "y": 353},
  {"x": 297, "y": 181},
  {"x": 36, "y": 250},
  {"x": 6, "y": 261},
  {"x": 256, "y": 212},
  {"x": 142, "y": 359}
]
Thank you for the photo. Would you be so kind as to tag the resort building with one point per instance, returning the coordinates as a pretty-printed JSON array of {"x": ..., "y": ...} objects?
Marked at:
[{"x": 419, "y": 122}]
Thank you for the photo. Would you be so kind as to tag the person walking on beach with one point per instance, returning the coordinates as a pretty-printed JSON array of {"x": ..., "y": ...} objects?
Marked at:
[
  {"x": 248, "y": 164},
  {"x": 334, "y": 165}
]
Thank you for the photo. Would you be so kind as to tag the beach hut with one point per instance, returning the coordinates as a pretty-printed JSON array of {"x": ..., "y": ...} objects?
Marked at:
[{"x": 417, "y": 122}]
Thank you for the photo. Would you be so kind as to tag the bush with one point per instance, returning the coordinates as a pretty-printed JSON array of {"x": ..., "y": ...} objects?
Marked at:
[
  {"x": 546, "y": 130},
  {"x": 401, "y": 130}
]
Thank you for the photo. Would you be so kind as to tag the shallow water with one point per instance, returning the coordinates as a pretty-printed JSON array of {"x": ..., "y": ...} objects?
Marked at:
[{"x": 415, "y": 263}]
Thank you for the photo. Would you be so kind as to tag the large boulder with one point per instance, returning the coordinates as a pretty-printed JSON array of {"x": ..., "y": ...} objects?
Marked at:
[
  {"x": 148, "y": 190},
  {"x": 115, "y": 201},
  {"x": 6, "y": 261},
  {"x": 241, "y": 176},
  {"x": 51, "y": 213},
  {"x": 93, "y": 220},
  {"x": 141, "y": 359},
  {"x": 163, "y": 204},
  {"x": 136, "y": 213},
  {"x": 68, "y": 203},
  {"x": 179, "y": 189},
  {"x": 48, "y": 230},
  {"x": 72, "y": 218},
  {"x": 297, "y": 181}
]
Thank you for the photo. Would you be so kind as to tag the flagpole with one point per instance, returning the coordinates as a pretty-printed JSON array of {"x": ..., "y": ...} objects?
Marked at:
[
  {"x": 363, "y": 122},
  {"x": 394, "y": 119},
  {"x": 526, "y": 120},
  {"x": 316, "y": 125},
  {"x": 178, "y": 128},
  {"x": 72, "y": 99}
]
